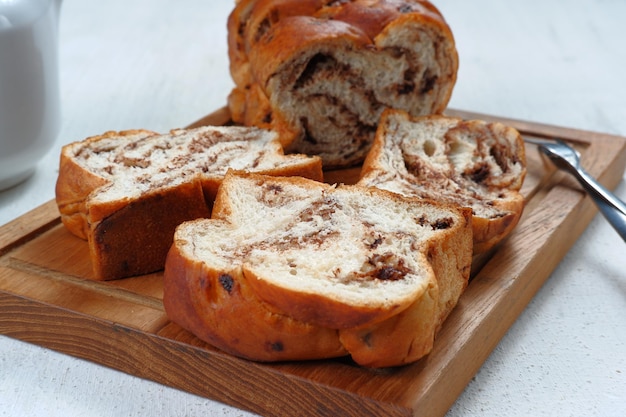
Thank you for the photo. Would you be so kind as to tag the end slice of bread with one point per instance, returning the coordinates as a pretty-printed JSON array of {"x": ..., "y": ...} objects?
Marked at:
[
  {"x": 472, "y": 163},
  {"x": 374, "y": 273},
  {"x": 125, "y": 192}
]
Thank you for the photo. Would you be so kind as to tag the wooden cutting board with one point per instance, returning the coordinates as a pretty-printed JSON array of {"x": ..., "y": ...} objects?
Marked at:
[{"x": 48, "y": 297}]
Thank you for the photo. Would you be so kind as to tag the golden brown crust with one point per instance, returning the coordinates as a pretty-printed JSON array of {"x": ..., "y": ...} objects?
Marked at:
[
  {"x": 220, "y": 308},
  {"x": 401, "y": 339},
  {"x": 409, "y": 335},
  {"x": 251, "y": 107},
  {"x": 135, "y": 237},
  {"x": 489, "y": 232},
  {"x": 250, "y": 20},
  {"x": 74, "y": 184},
  {"x": 239, "y": 67},
  {"x": 318, "y": 309}
]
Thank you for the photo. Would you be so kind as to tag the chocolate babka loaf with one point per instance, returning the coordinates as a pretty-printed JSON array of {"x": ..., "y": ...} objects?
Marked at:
[
  {"x": 321, "y": 72},
  {"x": 291, "y": 269},
  {"x": 125, "y": 192},
  {"x": 472, "y": 163}
]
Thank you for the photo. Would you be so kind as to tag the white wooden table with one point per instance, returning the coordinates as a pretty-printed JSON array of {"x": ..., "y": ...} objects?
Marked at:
[{"x": 159, "y": 64}]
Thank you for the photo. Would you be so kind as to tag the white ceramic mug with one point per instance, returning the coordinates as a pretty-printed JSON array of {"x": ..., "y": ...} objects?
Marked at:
[{"x": 29, "y": 87}]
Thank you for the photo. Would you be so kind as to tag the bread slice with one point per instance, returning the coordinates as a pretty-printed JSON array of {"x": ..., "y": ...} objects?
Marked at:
[
  {"x": 288, "y": 268},
  {"x": 468, "y": 162},
  {"x": 125, "y": 192},
  {"x": 321, "y": 72}
]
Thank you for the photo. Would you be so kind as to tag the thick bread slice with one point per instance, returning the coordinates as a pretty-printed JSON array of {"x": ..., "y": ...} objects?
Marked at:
[
  {"x": 468, "y": 162},
  {"x": 322, "y": 72},
  {"x": 318, "y": 271},
  {"x": 125, "y": 192}
]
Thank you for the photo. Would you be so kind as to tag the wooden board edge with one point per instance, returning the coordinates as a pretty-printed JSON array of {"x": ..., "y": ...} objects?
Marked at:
[
  {"x": 30, "y": 224},
  {"x": 471, "y": 353},
  {"x": 448, "y": 379},
  {"x": 191, "y": 369}
]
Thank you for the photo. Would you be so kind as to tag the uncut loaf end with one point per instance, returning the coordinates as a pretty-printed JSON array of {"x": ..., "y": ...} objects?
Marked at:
[{"x": 321, "y": 72}]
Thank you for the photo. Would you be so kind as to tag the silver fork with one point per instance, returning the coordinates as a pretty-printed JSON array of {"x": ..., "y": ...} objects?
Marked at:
[{"x": 567, "y": 158}]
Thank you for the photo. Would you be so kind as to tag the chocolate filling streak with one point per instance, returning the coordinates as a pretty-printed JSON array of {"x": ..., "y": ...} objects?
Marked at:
[
  {"x": 342, "y": 121},
  {"x": 332, "y": 116},
  {"x": 138, "y": 162},
  {"x": 227, "y": 282},
  {"x": 385, "y": 266},
  {"x": 457, "y": 189},
  {"x": 321, "y": 66}
]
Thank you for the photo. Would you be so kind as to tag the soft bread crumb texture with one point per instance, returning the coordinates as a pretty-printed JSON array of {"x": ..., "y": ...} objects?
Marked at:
[{"x": 136, "y": 164}]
